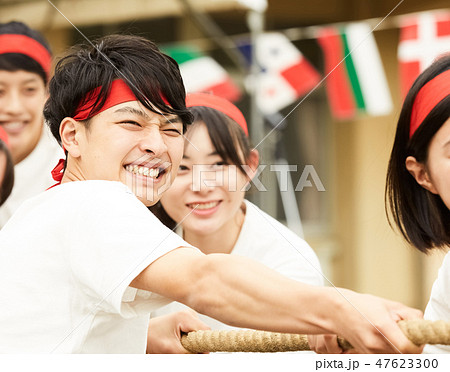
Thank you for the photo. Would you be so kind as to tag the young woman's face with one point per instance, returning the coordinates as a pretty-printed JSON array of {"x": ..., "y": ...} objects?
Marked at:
[
  {"x": 438, "y": 163},
  {"x": 22, "y": 99},
  {"x": 207, "y": 193}
]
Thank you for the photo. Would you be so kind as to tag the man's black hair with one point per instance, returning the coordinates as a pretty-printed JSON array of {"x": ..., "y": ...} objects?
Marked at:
[{"x": 153, "y": 77}]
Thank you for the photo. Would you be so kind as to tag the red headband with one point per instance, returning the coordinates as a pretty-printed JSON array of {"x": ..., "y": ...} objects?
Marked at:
[
  {"x": 428, "y": 97},
  {"x": 219, "y": 104},
  {"x": 13, "y": 43},
  {"x": 119, "y": 93},
  {"x": 4, "y": 136}
]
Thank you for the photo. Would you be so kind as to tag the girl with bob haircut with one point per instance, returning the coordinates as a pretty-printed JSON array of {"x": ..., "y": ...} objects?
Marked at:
[
  {"x": 207, "y": 198},
  {"x": 418, "y": 177},
  {"x": 6, "y": 168}
]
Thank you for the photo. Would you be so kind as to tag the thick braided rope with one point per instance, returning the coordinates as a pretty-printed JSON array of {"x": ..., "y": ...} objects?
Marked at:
[{"x": 418, "y": 331}]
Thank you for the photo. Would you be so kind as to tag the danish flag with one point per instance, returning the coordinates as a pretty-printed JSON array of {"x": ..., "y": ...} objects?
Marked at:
[{"x": 423, "y": 38}]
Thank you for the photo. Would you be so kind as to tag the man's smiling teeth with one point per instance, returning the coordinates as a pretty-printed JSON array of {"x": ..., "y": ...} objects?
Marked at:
[
  {"x": 149, "y": 172},
  {"x": 203, "y": 205}
]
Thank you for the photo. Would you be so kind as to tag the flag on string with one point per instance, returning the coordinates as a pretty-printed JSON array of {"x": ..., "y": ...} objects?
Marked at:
[
  {"x": 201, "y": 73},
  {"x": 423, "y": 38},
  {"x": 286, "y": 74},
  {"x": 355, "y": 78}
]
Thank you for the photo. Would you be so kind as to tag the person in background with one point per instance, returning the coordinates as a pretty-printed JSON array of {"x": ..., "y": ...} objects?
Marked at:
[
  {"x": 6, "y": 168},
  {"x": 418, "y": 177},
  {"x": 25, "y": 63},
  {"x": 206, "y": 200}
]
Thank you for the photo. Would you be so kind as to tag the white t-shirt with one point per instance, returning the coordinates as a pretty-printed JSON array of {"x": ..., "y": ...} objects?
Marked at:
[
  {"x": 67, "y": 258},
  {"x": 264, "y": 239},
  {"x": 438, "y": 307},
  {"x": 33, "y": 174}
]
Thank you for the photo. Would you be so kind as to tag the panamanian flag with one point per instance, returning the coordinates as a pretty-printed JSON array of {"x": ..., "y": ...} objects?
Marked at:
[
  {"x": 423, "y": 38},
  {"x": 201, "y": 73},
  {"x": 355, "y": 79},
  {"x": 285, "y": 75}
]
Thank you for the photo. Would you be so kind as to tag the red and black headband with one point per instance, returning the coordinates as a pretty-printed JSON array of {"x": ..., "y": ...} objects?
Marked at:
[
  {"x": 428, "y": 97},
  {"x": 119, "y": 92},
  {"x": 219, "y": 104},
  {"x": 22, "y": 44}
]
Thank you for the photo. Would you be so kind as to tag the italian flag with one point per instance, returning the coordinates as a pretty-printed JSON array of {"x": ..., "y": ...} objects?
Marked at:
[
  {"x": 355, "y": 79},
  {"x": 202, "y": 73},
  {"x": 423, "y": 38}
]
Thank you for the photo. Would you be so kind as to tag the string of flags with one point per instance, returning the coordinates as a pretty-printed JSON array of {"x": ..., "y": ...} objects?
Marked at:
[{"x": 353, "y": 72}]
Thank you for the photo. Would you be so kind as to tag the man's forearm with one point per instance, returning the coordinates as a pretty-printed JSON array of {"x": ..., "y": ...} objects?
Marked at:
[{"x": 241, "y": 292}]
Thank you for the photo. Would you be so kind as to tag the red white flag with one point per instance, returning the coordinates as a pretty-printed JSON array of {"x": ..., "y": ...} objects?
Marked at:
[
  {"x": 286, "y": 74},
  {"x": 423, "y": 38}
]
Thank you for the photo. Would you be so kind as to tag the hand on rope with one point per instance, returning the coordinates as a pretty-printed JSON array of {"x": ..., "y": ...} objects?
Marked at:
[
  {"x": 419, "y": 331},
  {"x": 324, "y": 344},
  {"x": 164, "y": 332}
]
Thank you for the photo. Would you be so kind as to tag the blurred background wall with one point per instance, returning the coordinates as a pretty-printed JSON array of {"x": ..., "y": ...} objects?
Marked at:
[{"x": 346, "y": 223}]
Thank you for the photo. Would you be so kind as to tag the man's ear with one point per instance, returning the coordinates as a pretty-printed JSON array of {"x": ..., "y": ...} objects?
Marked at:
[
  {"x": 68, "y": 131},
  {"x": 252, "y": 162},
  {"x": 420, "y": 173}
]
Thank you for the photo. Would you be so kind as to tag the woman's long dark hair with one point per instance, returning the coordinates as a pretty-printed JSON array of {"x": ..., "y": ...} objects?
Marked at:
[
  {"x": 421, "y": 216},
  {"x": 228, "y": 139},
  {"x": 8, "y": 179}
]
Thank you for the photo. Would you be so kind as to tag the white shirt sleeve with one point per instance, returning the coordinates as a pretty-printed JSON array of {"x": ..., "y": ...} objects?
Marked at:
[
  {"x": 115, "y": 237},
  {"x": 438, "y": 307}
]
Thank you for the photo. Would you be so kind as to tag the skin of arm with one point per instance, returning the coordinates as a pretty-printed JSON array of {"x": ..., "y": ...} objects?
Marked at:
[{"x": 243, "y": 293}]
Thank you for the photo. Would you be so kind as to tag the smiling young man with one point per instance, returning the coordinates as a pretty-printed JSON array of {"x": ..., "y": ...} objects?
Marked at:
[
  {"x": 25, "y": 62},
  {"x": 83, "y": 264}
]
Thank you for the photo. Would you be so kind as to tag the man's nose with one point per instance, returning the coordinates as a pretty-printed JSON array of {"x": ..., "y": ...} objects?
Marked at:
[{"x": 152, "y": 142}]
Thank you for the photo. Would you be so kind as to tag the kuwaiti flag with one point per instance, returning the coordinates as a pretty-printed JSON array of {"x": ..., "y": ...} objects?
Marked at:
[
  {"x": 355, "y": 80},
  {"x": 285, "y": 74},
  {"x": 423, "y": 38},
  {"x": 202, "y": 73}
]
